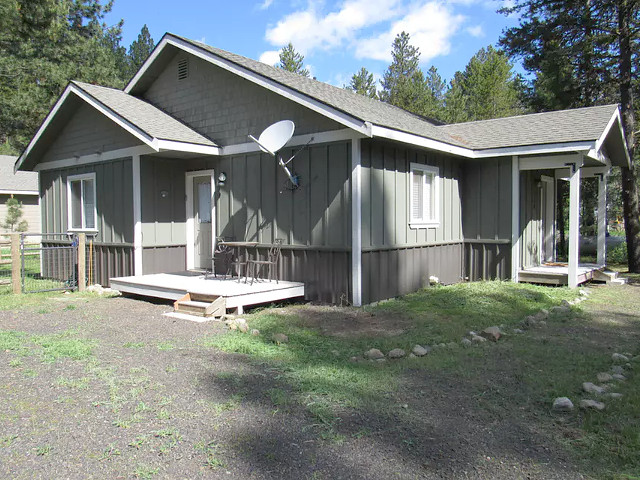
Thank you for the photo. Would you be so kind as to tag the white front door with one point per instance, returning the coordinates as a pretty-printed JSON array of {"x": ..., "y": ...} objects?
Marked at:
[{"x": 200, "y": 189}]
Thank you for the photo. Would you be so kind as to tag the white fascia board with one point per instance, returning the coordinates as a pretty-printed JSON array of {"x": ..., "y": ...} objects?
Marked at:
[
  {"x": 19, "y": 192},
  {"x": 175, "y": 146},
  {"x": 272, "y": 85},
  {"x": 114, "y": 117},
  {"x": 409, "y": 138},
  {"x": 42, "y": 128},
  {"x": 94, "y": 158},
  {"x": 391, "y": 134},
  {"x": 612, "y": 121},
  {"x": 321, "y": 137}
]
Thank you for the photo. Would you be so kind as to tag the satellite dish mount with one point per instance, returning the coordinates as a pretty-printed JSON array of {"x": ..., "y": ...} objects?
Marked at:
[{"x": 273, "y": 138}]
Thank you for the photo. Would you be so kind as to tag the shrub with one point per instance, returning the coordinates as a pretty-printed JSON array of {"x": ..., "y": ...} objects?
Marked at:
[{"x": 618, "y": 254}]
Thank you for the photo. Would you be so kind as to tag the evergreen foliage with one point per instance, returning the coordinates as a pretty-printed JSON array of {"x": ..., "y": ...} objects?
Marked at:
[
  {"x": 363, "y": 83},
  {"x": 13, "y": 221},
  {"x": 292, "y": 61}
]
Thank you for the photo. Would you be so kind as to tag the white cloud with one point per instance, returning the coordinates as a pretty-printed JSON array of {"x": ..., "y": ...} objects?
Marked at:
[
  {"x": 270, "y": 57},
  {"x": 476, "y": 31},
  {"x": 431, "y": 26},
  {"x": 265, "y": 4},
  {"x": 310, "y": 29}
]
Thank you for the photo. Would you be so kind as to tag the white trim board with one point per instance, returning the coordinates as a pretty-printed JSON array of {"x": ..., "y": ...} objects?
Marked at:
[
  {"x": 137, "y": 216},
  {"x": 19, "y": 192},
  {"x": 80, "y": 178},
  {"x": 287, "y": 92},
  {"x": 94, "y": 158},
  {"x": 356, "y": 222}
]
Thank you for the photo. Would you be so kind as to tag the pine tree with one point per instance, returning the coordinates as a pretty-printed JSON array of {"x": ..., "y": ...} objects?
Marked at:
[
  {"x": 292, "y": 61},
  {"x": 140, "y": 50},
  {"x": 363, "y": 83},
  {"x": 403, "y": 75},
  {"x": 487, "y": 88},
  {"x": 13, "y": 222}
]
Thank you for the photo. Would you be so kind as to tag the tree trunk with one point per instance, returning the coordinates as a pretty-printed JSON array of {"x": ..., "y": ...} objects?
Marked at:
[{"x": 631, "y": 206}]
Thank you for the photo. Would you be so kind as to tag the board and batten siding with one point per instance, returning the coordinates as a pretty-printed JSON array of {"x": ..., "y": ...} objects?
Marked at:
[
  {"x": 88, "y": 131},
  {"x": 256, "y": 204},
  {"x": 398, "y": 259},
  {"x": 224, "y": 106},
  {"x": 113, "y": 242},
  {"x": 486, "y": 218},
  {"x": 530, "y": 217}
]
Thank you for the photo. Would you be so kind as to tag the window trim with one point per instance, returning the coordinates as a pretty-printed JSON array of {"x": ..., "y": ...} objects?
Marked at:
[
  {"x": 435, "y": 221},
  {"x": 80, "y": 177}
]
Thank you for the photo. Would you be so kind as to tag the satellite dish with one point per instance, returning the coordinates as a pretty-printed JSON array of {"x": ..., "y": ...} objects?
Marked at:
[{"x": 273, "y": 138}]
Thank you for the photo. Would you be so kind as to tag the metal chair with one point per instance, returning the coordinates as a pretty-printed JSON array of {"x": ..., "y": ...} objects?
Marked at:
[
  {"x": 272, "y": 261},
  {"x": 223, "y": 256}
]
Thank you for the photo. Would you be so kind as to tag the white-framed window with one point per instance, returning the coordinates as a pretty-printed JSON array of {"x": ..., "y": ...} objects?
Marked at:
[
  {"x": 81, "y": 202},
  {"x": 424, "y": 196}
]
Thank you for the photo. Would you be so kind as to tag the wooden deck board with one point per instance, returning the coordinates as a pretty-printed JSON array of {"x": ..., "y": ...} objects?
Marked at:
[
  {"x": 556, "y": 274},
  {"x": 173, "y": 286}
]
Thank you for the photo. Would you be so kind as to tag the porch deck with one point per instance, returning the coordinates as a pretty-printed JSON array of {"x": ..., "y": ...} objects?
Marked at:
[
  {"x": 173, "y": 286},
  {"x": 558, "y": 273}
]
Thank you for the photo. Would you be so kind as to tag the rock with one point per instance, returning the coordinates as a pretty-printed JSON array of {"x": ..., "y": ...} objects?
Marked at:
[
  {"x": 279, "y": 338},
  {"x": 396, "y": 353},
  {"x": 381, "y": 360},
  {"x": 353, "y": 359},
  {"x": 617, "y": 369},
  {"x": 542, "y": 323},
  {"x": 591, "y": 404},
  {"x": 243, "y": 327},
  {"x": 561, "y": 310},
  {"x": 419, "y": 351},
  {"x": 584, "y": 293},
  {"x": 591, "y": 388},
  {"x": 241, "y": 321},
  {"x": 565, "y": 303},
  {"x": 442, "y": 345},
  {"x": 614, "y": 395},
  {"x": 620, "y": 358},
  {"x": 472, "y": 333},
  {"x": 619, "y": 377},
  {"x": 518, "y": 331},
  {"x": 491, "y": 333},
  {"x": 604, "y": 377},
  {"x": 478, "y": 339},
  {"x": 255, "y": 332},
  {"x": 562, "y": 404},
  {"x": 466, "y": 342},
  {"x": 452, "y": 345},
  {"x": 411, "y": 355},
  {"x": 373, "y": 354},
  {"x": 232, "y": 325}
]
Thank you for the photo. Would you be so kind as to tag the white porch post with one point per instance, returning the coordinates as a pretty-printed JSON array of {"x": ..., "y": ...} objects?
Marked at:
[
  {"x": 602, "y": 220},
  {"x": 356, "y": 222},
  {"x": 137, "y": 216},
  {"x": 515, "y": 218},
  {"x": 574, "y": 224}
]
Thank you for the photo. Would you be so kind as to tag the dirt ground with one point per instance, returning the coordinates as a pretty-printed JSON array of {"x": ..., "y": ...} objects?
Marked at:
[{"x": 152, "y": 402}]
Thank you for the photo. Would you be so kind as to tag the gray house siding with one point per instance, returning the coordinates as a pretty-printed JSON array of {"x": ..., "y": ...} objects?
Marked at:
[
  {"x": 88, "y": 131},
  {"x": 486, "y": 218},
  {"x": 225, "y": 107},
  {"x": 257, "y": 205},
  {"x": 113, "y": 243},
  {"x": 398, "y": 259},
  {"x": 530, "y": 218}
]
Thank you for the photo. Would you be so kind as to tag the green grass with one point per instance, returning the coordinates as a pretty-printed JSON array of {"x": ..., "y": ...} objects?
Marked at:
[{"x": 50, "y": 348}]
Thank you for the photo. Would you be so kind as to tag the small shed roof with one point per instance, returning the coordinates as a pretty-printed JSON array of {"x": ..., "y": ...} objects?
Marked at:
[{"x": 20, "y": 182}]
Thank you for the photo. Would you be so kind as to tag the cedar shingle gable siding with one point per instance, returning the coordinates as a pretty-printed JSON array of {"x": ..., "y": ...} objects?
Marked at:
[{"x": 225, "y": 107}]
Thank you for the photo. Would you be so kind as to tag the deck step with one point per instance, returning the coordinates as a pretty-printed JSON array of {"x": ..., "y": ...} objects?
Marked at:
[
  {"x": 609, "y": 277},
  {"x": 201, "y": 305}
]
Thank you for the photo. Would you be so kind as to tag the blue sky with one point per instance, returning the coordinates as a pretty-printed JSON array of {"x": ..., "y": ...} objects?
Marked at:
[{"x": 336, "y": 37}]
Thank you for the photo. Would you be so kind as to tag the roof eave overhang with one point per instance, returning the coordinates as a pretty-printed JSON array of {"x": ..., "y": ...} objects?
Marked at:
[
  {"x": 614, "y": 131},
  {"x": 343, "y": 118}
]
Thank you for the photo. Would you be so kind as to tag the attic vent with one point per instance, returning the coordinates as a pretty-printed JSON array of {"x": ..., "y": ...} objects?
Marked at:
[{"x": 183, "y": 69}]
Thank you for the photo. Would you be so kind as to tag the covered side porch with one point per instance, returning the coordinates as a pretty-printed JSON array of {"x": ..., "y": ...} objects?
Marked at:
[{"x": 534, "y": 221}]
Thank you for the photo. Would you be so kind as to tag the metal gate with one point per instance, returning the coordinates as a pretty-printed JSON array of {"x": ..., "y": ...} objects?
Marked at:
[{"x": 49, "y": 262}]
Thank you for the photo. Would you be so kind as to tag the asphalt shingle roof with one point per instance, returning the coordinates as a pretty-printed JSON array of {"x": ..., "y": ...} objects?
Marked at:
[
  {"x": 18, "y": 182},
  {"x": 534, "y": 129},
  {"x": 145, "y": 116},
  {"x": 561, "y": 126}
]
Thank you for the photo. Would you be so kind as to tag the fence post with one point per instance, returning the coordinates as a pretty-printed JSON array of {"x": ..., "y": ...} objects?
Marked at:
[
  {"x": 16, "y": 272},
  {"x": 82, "y": 263}
]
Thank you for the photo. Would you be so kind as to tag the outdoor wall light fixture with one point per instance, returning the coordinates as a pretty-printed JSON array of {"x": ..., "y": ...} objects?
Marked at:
[
  {"x": 222, "y": 178},
  {"x": 164, "y": 193}
]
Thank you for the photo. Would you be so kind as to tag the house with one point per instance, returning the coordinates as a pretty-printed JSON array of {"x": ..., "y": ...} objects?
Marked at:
[
  {"x": 22, "y": 186},
  {"x": 386, "y": 200}
]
